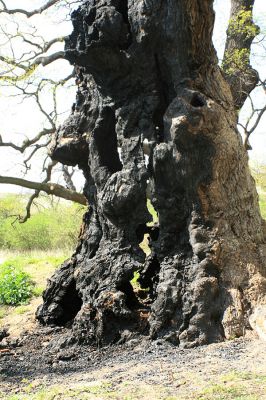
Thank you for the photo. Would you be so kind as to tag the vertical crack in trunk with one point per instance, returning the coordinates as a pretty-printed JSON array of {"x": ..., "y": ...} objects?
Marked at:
[{"x": 123, "y": 9}]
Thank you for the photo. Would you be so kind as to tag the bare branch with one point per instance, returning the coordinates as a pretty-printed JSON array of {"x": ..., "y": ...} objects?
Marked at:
[
  {"x": 260, "y": 114},
  {"x": 28, "y": 14},
  {"x": 10, "y": 144},
  {"x": 27, "y": 142},
  {"x": 68, "y": 178},
  {"x": 27, "y": 216},
  {"x": 34, "y": 151},
  {"x": 49, "y": 188},
  {"x": 49, "y": 44}
]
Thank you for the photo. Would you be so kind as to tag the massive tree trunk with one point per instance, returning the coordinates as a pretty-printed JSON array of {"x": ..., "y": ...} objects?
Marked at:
[{"x": 149, "y": 83}]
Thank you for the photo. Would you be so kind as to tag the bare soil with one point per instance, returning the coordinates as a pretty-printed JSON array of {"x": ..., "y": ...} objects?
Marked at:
[{"x": 136, "y": 370}]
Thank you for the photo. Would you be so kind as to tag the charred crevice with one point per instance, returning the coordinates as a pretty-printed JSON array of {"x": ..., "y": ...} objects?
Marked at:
[
  {"x": 187, "y": 317},
  {"x": 131, "y": 299},
  {"x": 90, "y": 17},
  {"x": 149, "y": 275},
  {"x": 141, "y": 231},
  {"x": 209, "y": 268},
  {"x": 152, "y": 231},
  {"x": 164, "y": 101},
  {"x": 106, "y": 141},
  {"x": 123, "y": 9},
  {"x": 70, "y": 304}
]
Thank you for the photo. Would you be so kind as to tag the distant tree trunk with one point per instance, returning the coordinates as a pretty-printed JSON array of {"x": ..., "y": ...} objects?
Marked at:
[
  {"x": 241, "y": 31},
  {"x": 149, "y": 80}
]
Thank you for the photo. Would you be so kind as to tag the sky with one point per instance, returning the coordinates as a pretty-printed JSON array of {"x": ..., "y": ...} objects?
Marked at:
[{"x": 22, "y": 118}]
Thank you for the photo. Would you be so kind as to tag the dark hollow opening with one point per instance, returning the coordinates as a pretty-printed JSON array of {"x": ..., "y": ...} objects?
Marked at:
[
  {"x": 152, "y": 231},
  {"x": 70, "y": 303},
  {"x": 106, "y": 141},
  {"x": 197, "y": 101},
  {"x": 140, "y": 232},
  {"x": 130, "y": 297}
]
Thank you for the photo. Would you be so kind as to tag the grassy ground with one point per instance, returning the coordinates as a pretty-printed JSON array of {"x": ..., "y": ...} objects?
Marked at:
[{"x": 40, "y": 266}]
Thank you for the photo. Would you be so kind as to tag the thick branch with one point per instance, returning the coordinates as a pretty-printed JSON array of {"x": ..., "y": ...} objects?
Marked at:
[
  {"x": 49, "y": 188},
  {"x": 45, "y": 60}
]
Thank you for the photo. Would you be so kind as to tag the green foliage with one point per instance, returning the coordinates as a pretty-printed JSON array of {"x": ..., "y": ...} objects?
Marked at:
[
  {"x": 15, "y": 285},
  {"x": 235, "y": 60},
  {"x": 242, "y": 24},
  {"x": 50, "y": 227}
]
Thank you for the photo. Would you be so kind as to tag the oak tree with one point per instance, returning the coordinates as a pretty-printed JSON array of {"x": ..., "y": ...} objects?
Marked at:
[{"x": 149, "y": 78}]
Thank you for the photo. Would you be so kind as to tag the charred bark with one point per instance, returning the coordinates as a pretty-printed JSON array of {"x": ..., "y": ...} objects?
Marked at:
[{"x": 148, "y": 77}]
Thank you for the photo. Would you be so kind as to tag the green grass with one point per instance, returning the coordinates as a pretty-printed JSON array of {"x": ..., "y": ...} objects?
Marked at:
[
  {"x": 235, "y": 386},
  {"x": 232, "y": 386},
  {"x": 84, "y": 392}
]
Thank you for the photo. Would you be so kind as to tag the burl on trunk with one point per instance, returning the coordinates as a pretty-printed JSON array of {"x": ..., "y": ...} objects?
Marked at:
[{"x": 154, "y": 117}]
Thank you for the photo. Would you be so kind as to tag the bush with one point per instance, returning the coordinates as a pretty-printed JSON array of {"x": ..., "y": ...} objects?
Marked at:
[
  {"x": 51, "y": 226},
  {"x": 15, "y": 285}
]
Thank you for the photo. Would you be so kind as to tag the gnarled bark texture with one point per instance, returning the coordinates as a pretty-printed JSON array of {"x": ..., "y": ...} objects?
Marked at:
[{"x": 149, "y": 83}]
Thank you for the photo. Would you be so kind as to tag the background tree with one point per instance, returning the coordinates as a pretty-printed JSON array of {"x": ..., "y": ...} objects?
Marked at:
[
  {"x": 242, "y": 78},
  {"x": 148, "y": 75}
]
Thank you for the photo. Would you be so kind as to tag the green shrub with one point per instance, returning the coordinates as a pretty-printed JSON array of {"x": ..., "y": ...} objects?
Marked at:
[
  {"x": 51, "y": 226},
  {"x": 15, "y": 285}
]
